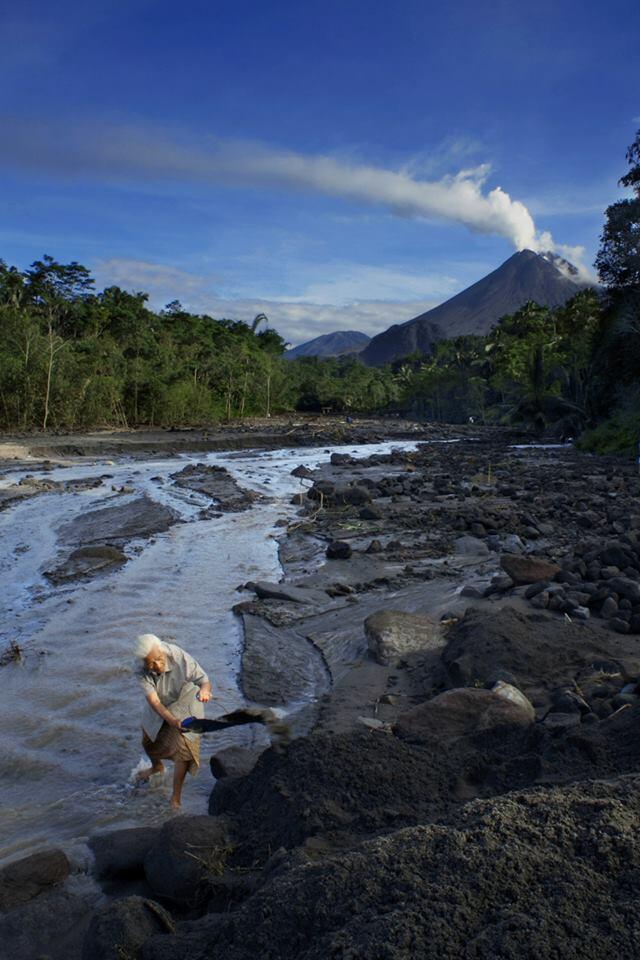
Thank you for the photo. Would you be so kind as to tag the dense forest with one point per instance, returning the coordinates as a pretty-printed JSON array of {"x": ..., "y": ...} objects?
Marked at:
[{"x": 73, "y": 358}]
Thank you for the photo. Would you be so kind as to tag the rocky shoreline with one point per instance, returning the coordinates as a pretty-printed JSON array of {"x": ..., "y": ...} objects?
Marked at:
[{"x": 463, "y": 623}]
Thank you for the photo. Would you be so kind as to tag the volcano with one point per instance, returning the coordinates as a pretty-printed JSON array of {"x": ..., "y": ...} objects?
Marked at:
[{"x": 542, "y": 277}]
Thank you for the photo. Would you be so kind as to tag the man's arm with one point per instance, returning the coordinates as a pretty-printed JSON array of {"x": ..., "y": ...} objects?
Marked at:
[{"x": 154, "y": 702}]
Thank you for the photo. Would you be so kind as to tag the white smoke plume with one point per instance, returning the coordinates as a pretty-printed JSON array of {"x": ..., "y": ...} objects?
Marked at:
[{"x": 460, "y": 198}]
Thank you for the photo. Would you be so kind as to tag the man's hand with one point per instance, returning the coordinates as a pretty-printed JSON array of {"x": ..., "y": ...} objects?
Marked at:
[{"x": 204, "y": 693}]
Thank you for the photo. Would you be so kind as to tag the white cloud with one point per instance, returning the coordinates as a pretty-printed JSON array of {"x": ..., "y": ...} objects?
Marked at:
[
  {"x": 359, "y": 297},
  {"x": 156, "y": 279},
  {"x": 119, "y": 152}
]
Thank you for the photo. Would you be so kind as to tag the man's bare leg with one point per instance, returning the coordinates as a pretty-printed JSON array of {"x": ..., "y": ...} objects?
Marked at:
[
  {"x": 157, "y": 766},
  {"x": 180, "y": 768}
]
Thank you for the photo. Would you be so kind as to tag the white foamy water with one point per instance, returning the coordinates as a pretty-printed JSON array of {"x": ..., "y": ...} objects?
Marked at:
[{"x": 70, "y": 712}]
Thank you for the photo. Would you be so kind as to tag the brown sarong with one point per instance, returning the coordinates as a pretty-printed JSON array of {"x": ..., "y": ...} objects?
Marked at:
[{"x": 170, "y": 744}]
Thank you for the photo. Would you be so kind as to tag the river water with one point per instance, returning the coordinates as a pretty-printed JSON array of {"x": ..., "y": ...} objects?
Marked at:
[{"x": 70, "y": 711}]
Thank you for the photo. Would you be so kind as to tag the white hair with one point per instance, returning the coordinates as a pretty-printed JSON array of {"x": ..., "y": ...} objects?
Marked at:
[{"x": 147, "y": 642}]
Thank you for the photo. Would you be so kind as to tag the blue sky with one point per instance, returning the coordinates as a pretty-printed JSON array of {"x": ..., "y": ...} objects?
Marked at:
[{"x": 337, "y": 165}]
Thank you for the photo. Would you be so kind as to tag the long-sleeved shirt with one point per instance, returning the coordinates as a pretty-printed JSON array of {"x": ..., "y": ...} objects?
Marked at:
[{"x": 176, "y": 688}]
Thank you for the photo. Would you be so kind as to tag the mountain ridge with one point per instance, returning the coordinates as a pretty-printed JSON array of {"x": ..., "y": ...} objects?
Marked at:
[{"x": 330, "y": 345}]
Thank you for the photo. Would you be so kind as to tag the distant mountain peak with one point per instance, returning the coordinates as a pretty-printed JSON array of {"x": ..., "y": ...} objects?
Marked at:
[{"x": 330, "y": 345}]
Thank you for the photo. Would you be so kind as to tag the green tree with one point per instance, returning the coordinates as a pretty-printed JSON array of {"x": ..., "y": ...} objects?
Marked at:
[{"x": 618, "y": 260}]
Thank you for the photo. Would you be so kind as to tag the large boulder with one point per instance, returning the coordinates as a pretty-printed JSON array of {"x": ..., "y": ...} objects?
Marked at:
[
  {"x": 527, "y": 569},
  {"x": 464, "y": 711},
  {"x": 24, "y": 879},
  {"x": 392, "y": 634},
  {"x": 121, "y": 853},
  {"x": 120, "y": 929},
  {"x": 187, "y": 852}
]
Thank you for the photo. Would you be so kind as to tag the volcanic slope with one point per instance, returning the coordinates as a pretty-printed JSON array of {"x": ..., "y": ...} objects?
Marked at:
[{"x": 543, "y": 278}]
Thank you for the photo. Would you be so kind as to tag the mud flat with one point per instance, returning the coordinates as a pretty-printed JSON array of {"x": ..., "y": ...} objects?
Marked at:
[
  {"x": 258, "y": 433},
  {"x": 463, "y": 624}
]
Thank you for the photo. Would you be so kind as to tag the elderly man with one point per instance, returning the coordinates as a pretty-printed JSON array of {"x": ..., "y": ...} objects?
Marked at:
[{"x": 175, "y": 687}]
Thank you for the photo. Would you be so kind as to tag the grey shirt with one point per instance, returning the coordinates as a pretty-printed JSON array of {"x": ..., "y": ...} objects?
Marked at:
[{"x": 176, "y": 688}]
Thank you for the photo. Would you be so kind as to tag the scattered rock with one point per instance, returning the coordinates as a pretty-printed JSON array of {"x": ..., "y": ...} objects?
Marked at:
[{"x": 339, "y": 550}]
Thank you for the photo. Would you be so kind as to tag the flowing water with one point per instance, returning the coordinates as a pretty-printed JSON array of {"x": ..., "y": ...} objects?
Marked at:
[{"x": 70, "y": 711}]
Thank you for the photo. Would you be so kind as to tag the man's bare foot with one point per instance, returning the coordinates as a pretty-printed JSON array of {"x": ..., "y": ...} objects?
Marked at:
[
  {"x": 143, "y": 775},
  {"x": 175, "y": 804}
]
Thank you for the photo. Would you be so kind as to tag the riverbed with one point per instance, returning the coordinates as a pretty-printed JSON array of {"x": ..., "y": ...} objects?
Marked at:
[{"x": 70, "y": 709}]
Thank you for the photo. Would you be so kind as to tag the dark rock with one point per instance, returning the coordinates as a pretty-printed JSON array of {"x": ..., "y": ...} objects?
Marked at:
[
  {"x": 581, "y": 613},
  {"x": 341, "y": 459},
  {"x": 614, "y": 555},
  {"x": 339, "y": 550},
  {"x": 187, "y": 851},
  {"x": 25, "y": 879},
  {"x": 233, "y": 762},
  {"x": 470, "y": 591},
  {"x": 619, "y": 625},
  {"x": 120, "y": 853},
  {"x": 523, "y": 570},
  {"x": 470, "y": 547},
  {"x": 374, "y": 547},
  {"x": 370, "y": 513},
  {"x": 566, "y": 576},
  {"x": 393, "y": 634},
  {"x": 302, "y": 472},
  {"x": 120, "y": 929},
  {"x": 540, "y": 601},
  {"x": 285, "y": 591},
  {"x": 625, "y": 588},
  {"x": 535, "y": 589}
]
